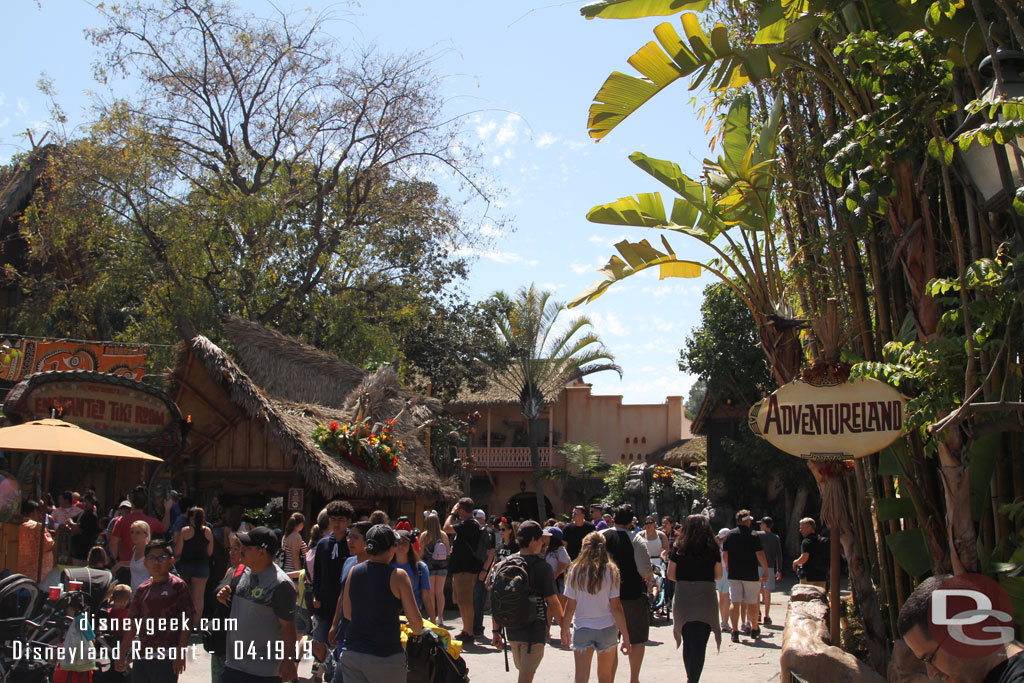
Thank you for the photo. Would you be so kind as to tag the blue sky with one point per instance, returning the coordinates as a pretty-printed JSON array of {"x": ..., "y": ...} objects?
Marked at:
[{"x": 524, "y": 74}]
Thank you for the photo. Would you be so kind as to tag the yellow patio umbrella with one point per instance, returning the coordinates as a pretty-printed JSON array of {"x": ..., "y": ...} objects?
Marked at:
[
  {"x": 54, "y": 436},
  {"x": 64, "y": 438}
]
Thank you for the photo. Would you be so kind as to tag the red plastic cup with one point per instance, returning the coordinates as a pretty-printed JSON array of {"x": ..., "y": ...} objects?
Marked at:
[
  {"x": 74, "y": 585},
  {"x": 55, "y": 592}
]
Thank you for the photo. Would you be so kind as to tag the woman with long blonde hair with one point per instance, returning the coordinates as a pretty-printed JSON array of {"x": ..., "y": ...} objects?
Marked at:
[
  {"x": 437, "y": 547},
  {"x": 592, "y": 606}
]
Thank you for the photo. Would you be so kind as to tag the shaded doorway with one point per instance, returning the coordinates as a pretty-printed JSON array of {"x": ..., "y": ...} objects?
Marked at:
[{"x": 524, "y": 506}]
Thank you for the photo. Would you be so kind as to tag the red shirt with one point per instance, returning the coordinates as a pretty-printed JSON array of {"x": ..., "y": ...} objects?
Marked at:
[
  {"x": 123, "y": 529},
  {"x": 170, "y": 599}
]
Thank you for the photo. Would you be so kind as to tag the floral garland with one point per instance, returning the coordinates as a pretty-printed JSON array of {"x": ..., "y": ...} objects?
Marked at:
[{"x": 371, "y": 448}]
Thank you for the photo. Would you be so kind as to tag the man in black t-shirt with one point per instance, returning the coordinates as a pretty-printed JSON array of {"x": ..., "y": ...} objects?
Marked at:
[
  {"x": 631, "y": 557},
  {"x": 463, "y": 565},
  {"x": 328, "y": 561},
  {"x": 814, "y": 556},
  {"x": 1003, "y": 663},
  {"x": 574, "y": 533},
  {"x": 527, "y": 644},
  {"x": 741, "y": 556}
]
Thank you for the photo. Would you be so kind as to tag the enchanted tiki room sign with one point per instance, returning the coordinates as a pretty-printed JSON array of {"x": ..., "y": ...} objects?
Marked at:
[
  {"x": 847, "y": 420},
  {"x": 116, "y": 407}
]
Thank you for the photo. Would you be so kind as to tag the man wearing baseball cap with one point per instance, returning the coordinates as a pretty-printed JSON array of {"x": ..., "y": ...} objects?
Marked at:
[
  {"x": 480, "y": 587},
  {"x": 527, "y": 643},
  {"x": 376, "y": 593},
  {"x": 741, "y": 555},
  {"x": 263, "y": 609}
]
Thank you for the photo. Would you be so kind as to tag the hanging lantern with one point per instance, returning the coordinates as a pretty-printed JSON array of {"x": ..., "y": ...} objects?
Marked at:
[{"x": 996, "y": 170}]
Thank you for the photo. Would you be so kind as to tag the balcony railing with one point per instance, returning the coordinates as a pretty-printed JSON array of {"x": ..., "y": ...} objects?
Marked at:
[{"x": 512, "y": 458}]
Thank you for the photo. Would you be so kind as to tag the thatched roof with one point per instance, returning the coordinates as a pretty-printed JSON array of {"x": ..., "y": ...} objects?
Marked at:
[
  {"x": 290, "y": 424},
  {"x": 683, "y": 452},
  {"x": 291, "y": 369},
  {"x": 18, "y": 185},
  {"x": 496, "y": 394}
]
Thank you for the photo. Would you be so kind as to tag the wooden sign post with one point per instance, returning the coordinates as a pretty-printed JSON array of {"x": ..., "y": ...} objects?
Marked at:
[{"x": 830, "y": 420}]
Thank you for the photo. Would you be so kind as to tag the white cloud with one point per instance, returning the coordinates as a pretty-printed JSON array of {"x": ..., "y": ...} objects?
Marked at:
[
  {"x": 497, "y": 256},
  {"x": 484, "y": 130},
  {"x": 509, "y": 130},
  {"x": 546, "y": 140},
  {"x": 658, "y": 292},
  {"x": 22, "y": 106},
  {"x": 490, "y": 231},
  {"x": 579, "y": 269},
  {"x": 604, "y": 240},
  {"x": 664, "y": 325},
  {"x": 551, "y": 286},
  {"x": 608, "y": 322}
]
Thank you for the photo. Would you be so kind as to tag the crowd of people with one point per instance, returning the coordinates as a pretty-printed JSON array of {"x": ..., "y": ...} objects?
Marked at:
[{"x": 337, "y": 589}]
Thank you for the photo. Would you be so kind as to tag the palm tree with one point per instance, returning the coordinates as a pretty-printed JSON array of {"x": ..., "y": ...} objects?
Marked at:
[{"x": 538, "y": 360}]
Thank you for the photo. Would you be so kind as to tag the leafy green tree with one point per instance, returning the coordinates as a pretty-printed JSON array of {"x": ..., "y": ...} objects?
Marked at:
[
  {"x": 257, "y": 171},
  {"x": 583, "y": 462},
  {"x": 724, "y": 350},
  {"x": 538, "y": 356},
  {"x": 695, "y": 398}
]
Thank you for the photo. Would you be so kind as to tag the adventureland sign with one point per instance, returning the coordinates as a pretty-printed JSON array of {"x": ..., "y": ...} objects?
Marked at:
[{"x": 838, "y": 422}]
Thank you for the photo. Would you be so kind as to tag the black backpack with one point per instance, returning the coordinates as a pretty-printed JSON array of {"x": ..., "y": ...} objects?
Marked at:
[
  {"x": 513, "y": 603},
  {"x": 429, "y": 662},
  {"x": 483, "y": 545}
]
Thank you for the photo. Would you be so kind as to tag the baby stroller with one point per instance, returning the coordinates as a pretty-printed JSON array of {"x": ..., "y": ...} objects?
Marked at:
[
  {"x": 656, "y": 594},
  {"x": 33, "y": 626}
]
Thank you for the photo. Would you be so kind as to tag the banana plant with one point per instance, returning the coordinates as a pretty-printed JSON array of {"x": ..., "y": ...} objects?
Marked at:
[
  {"x": 786, "y": 29},
  {"x": 732, "y": 211}
]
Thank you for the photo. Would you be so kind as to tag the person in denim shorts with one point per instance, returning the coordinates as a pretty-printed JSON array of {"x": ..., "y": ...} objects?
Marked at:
[{"x": 593, "y": 608}]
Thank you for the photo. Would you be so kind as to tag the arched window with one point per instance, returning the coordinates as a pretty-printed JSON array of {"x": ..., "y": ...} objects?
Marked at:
[
  {"x": 634, "y": 439},
  {"x": 627, "y": 439},
  {"x": 622, "y": 457},
  {"x": 643, "y": 439}
]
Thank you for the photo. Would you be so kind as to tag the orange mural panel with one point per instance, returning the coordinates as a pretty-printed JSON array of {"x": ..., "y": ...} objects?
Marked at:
[{"x": 43, "y": 356}]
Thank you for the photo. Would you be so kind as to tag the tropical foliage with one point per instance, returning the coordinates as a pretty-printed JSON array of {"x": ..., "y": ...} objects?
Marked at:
[
  {"x": 840, "y": 177},
  {"x": 538, "y": 354}
]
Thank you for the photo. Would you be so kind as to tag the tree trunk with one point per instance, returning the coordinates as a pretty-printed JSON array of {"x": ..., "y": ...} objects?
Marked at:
[
  {"x": 835, "y": 513},
  {"x": 956, "y": 479},
  {"x": 538, "y": 475}
]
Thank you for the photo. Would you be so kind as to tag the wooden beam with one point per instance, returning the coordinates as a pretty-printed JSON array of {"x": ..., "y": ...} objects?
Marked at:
[
  {"x": 224, "y": 418},
  {"x": 184, "y": 374}
]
